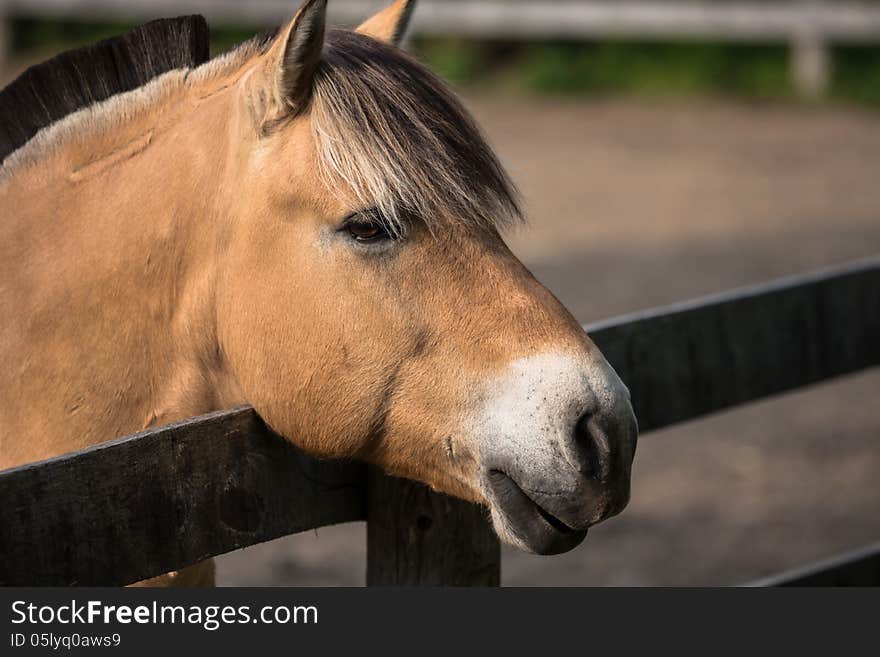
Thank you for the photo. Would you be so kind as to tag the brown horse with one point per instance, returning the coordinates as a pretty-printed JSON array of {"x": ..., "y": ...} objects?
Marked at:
[{"x": 309, "y": 224}]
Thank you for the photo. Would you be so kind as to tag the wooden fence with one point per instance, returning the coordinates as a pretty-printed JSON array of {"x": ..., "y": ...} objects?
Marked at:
[
  {"x": 809, "y": 26},
  {"x": 146, "y": 504}
]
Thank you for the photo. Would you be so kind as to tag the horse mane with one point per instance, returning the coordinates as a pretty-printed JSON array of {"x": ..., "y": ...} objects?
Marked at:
[
  {"x": 386, "y": 128},
  {"x": 76, "y": 79},
  {"x": 396, "y": 136}
]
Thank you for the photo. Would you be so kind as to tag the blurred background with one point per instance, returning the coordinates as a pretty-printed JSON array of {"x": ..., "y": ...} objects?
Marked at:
[{"x": 664, "y": 150}]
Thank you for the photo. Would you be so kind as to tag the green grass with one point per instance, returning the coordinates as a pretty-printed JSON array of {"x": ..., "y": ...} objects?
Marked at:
[
  {"x": 857, "y": 75},
  {"x": 644, "y": 68},
  {"x": 575, "y": 68},
  {"x": 30, "y": 35},
  {"x": 656, "y": 68}
]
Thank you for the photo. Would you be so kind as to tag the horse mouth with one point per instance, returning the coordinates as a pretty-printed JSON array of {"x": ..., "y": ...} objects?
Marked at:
[{"x": 534, "y": 526}]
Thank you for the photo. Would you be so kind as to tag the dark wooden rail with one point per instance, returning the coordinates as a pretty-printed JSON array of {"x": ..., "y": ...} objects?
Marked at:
[
  {"x": 709, "y": 354},
  {"x": 855, "y": 568},
  {"x": 143, "y": 505},
  {"x": 156, "y": 501}
]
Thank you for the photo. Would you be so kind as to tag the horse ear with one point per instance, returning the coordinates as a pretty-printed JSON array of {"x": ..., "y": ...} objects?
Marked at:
[
  {"x": 297, "y": 53},
  {"x": 390, "y": 24}
]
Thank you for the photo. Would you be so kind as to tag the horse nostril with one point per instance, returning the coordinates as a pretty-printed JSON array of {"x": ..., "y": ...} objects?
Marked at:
[{"x": 591, "y": 449}]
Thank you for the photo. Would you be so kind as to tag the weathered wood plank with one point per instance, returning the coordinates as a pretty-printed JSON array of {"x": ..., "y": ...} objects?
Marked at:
[
  {"x": 746, "y": 20},
  {"x": 710, "y": 354},
  {"x": 147, "y": 504},
  {"x": 859, "y": 567},
  {"x": 416, "y": 537}
]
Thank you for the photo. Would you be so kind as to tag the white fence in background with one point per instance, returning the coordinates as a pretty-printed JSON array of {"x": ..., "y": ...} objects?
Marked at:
[{"x": 810, "y": 26}]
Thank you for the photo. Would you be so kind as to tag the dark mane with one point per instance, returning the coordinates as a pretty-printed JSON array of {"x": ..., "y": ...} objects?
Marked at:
[
  {"x": 389, "y": 133},
  {"x": 398, "y": 139},
  {"x": 75, "y": 79}
]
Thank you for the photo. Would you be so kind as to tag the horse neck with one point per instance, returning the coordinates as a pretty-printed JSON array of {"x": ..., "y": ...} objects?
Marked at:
[{"x": 120, "y": 258}]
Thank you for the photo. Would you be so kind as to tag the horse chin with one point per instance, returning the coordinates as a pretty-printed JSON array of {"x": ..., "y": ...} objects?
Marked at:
[{"x": 522, "y": 522}]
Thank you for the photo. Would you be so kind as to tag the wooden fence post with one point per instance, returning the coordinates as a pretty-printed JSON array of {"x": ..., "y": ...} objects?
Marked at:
[
  {"x": 416, "y": 537},
  {"x": 811, "y": 64}
]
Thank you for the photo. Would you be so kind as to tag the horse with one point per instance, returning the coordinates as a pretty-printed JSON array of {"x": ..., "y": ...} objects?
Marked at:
[{"x": 311, "y": 224}]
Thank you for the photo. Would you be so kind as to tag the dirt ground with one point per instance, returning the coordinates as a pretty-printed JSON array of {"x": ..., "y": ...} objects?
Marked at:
[{"x": 634, "y": 205}]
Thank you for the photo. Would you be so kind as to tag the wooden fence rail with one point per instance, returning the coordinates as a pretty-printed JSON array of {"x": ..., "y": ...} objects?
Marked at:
[
  {"x": 859, "y": 567},
  {"x": 150, "y": 503}
]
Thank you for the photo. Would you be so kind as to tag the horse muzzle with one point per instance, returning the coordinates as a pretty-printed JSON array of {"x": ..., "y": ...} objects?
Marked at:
[
  {"x": 560, "y": 458},
  {"x": 547, "y": 519}
]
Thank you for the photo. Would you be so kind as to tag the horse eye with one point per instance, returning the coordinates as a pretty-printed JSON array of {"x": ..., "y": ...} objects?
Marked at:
[{"x": 366, "y": 230}]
